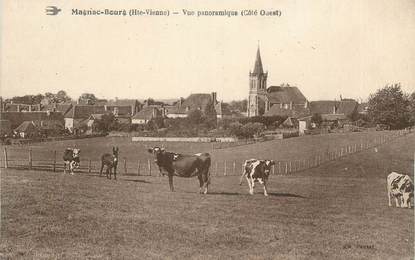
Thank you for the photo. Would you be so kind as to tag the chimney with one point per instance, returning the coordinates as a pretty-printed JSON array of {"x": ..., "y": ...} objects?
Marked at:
[{"x": 214, "y": 98}]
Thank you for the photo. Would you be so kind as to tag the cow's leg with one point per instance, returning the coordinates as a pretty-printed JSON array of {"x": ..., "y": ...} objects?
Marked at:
[
  {"x": 200, "y": 183},
  {"x": 397, "y": 204},
  {"x": 242, "y": 177},
  {"x": 115, "y": 172},
  {"x": 102, "y": 168},
  {"x": 265, "y": 188},
  {"x": 389, "y": 198},
  {"x": 171, "y": 181},
  {"x": 405, "y": 200},
  {"x": 64, "y": 167},
  {"x": 71, "y": 167},
  {"x": 250, "y": 182},
  {"x": 205, "y": 177}
]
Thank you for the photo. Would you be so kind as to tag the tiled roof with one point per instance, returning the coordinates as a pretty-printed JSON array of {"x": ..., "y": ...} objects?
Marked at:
[
  {"x": 147, "y": 113},
  {"x": 277, "y": 94},
  {"x": 26, "y": 126},
  {"x": 333, "y": 107},
  {"x": 84, "y": 111},
  {"x": 16, "y": 118}
]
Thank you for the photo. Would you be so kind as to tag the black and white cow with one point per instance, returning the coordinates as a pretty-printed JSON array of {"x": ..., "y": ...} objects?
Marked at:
[
  {"x": 256, "y": 171},
  {"x": 183, "y": 165},
  {"x": 71, "y": 158},
  {"x": 401, "y": 188}
]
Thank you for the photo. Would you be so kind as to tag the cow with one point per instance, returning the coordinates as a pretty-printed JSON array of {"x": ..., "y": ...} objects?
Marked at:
[
  {"x": 401, "y": 188},
  {"x": 111, "y": 162},
  {"x": 256, "y": 171},
  {"x": 183, "y": 166},
  {"x": 71, "y": 158}
]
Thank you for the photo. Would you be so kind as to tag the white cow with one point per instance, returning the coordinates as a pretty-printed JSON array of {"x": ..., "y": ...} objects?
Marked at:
[{"x": 401, "y": 188}]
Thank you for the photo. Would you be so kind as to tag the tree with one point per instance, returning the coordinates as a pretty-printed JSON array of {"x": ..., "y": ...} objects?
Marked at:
[
  {"x": 239, "y": 105},
  {"x": 87, "y": 98},
  {"x": 390, "y": 106},
  {"x": 195, "y": 117},
  {"x": 316, "y": 119},
  {"x": 60, "y": 97},
  {"x": 107, "y": 123},
  {"x": 28, "y": 99},
  {"x": 412, "y": 109}
]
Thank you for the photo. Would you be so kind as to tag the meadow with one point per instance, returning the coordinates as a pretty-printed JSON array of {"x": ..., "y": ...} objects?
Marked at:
[{"x": 338, "y": 210}]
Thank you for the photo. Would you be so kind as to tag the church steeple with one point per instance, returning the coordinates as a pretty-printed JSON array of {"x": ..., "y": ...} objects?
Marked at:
[
  {"x": 257, "y": 99},
  {"x": 258, "y": 64}
]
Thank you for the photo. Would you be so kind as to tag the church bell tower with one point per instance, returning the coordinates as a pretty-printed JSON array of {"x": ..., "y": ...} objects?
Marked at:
[{"x": 257, "y": 99}]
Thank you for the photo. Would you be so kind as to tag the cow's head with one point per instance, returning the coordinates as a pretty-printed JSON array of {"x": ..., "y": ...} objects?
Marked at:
[
  {"x": 158, "y": 153},
  {"x": 268, "y": 165},
  {"x": 76, "y": 152},
  {"x": 115, "y": 152}
]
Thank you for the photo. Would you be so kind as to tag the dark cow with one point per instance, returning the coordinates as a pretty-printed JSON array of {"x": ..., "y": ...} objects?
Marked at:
[
  {"x": 256, "y": 171},
  {"x": 401, "y": 188},
  {"x": 71, "y": 158},
  {"x": 183, "y": 166},
  {"x": 111, "y": 162}
]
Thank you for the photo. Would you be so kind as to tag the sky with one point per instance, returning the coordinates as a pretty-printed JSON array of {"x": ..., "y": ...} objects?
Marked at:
[{"x": 326, "y": 48}]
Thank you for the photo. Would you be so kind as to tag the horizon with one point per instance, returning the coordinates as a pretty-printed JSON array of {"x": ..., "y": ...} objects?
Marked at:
[{"x": 326, "y": 49}]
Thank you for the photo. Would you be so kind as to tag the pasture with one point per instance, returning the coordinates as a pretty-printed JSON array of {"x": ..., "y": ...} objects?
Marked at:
[{"x": 335, "y": 211}]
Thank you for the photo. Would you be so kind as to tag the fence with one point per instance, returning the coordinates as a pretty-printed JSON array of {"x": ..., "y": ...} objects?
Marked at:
[{"x": 147, "y": 167}]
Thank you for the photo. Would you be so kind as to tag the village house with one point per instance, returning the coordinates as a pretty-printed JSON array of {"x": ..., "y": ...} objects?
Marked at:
[{"x": 146, "y": 114}]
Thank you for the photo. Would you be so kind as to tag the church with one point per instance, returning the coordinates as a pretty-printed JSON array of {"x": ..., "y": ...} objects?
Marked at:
[{"x": 284, "y": 100}]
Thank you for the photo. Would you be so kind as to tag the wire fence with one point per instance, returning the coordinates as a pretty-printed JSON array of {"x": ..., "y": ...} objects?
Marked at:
[{"x": 48, "y": 160}]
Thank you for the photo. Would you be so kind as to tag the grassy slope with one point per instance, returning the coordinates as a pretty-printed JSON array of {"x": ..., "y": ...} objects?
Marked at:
[
  {"x": 289, "y": 149},
  {"x": 326, "y": 212}
]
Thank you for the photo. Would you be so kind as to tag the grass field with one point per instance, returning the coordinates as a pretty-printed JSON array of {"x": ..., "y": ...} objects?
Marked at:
[
  {"x": 336, "y": 211},
  {"x": 300, "y": 148}
]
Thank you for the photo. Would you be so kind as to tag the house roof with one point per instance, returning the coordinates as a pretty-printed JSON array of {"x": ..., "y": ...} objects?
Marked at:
[
  {"x": 123, "y": 102},
  {"x": 60, "y": 107},
  {"x": 285, "y": 94},
  {"x": 333, "y": 107},
  {"x": 122, "y": 110},
  {"x": 147, "y": 113},
  {"x": 26, "y": 126},
  {"x": 84, "y": 111},
  {"x": 194, "y": 101},
  {"x": 49, "y": 124},
  {"x": 16, "y": 118}
]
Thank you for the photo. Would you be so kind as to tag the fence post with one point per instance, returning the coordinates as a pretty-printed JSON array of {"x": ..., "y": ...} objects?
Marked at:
[
  {"x": 30, "y": 159},
  {"x": 138, "y": 168},
  {"x": 273, "y": 169},
  {"x": 225, "y": 168},
  {"x": 89, "y": 166},
  {"x": 216, "y": 168},
  {"x": 279, "y": 168},
  {"x": 6, "y": 164},
  {"x": 125, "y": 166},
  {"x": 234, "y": 168},
  {"x": 54, "y": 161},
  {"x": 149, "y": 167},
  {"x": 286, "y": 167}
]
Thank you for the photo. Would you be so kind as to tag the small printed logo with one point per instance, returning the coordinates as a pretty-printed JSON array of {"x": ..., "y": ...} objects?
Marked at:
[{"x": 52, "y": 10}]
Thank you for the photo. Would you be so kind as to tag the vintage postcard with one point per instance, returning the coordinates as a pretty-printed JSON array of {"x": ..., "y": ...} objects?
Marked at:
[{"x": 269, "y": 129}]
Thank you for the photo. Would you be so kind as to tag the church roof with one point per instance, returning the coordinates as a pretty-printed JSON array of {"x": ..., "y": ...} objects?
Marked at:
[
  {"x": 258, "y": 64},
  {"x": 277, "y": 94}
]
